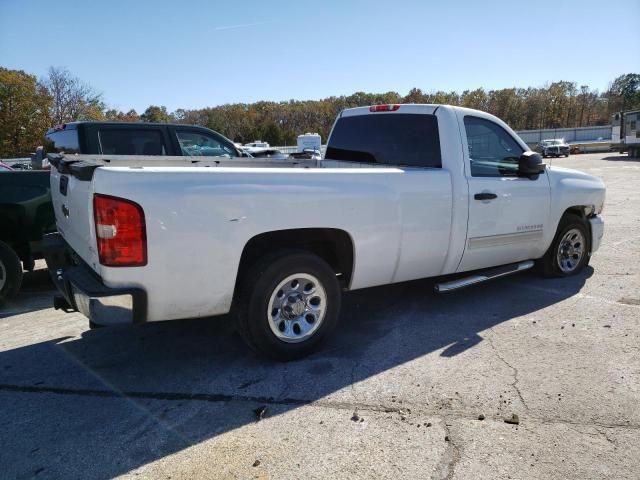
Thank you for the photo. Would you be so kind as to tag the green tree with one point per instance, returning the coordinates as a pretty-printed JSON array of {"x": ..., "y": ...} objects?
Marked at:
[
  {"x": 156, "y": 114},
  {"x": 477, "y": 99},
  {"x": 272, "y": 134},
  {"x": 415, "y": 95},
  {"x": 118, "y": 116},
  {"x": 624, "y": 93},
  {"x": 24, "y": 113}
]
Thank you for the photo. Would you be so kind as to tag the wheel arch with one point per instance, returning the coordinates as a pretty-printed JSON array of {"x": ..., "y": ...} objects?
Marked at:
[
  {"x": 582, "y": 211},
  {"x": 578, "y": 210},
  {"x": 333, "y": 245}
]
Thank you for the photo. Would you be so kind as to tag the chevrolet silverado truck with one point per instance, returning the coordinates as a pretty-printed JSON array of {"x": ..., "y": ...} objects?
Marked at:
[{"x": 403, "y": 192}]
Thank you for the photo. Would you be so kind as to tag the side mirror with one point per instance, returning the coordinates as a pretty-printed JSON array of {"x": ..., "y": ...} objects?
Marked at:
[{"x": 530, "y": 165}]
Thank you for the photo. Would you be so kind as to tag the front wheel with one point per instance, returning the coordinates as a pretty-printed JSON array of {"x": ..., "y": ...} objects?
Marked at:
[
  {"x": 569, "y": 252},
  {"x": 288, "y": 304}
]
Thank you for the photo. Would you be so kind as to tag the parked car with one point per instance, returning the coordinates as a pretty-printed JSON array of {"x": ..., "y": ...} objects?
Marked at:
[
  {"x": 255, "y": 147},
  {"x": 18, "y": 163},
  {"x": 26, "y": 214},
  {"x": 122, "y": 138},
  {"x": 5, "y": 168},
  {"x": 554, "y": 147},
  {"x": 273, "y": 153},
  {"x": 257, "y": 144},
  {"x": 402, "y": 193},
  {"x": 308, "y": 153}
]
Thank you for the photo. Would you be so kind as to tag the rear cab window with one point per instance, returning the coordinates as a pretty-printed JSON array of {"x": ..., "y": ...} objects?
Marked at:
[
  {"x": 131, "y": 141},
  {"x": 62, "y": 140},
  {"x": 399, "y": 139}
]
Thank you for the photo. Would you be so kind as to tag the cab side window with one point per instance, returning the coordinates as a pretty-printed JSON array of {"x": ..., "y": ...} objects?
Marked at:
[
  {"x": 492, "y": 151},
  {"x": 131, "y": 141},
  {"x": 197, "y": 144}
]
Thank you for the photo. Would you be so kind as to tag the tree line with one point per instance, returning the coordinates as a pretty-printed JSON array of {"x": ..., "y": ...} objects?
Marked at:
[{"x": 29, "y": 106}]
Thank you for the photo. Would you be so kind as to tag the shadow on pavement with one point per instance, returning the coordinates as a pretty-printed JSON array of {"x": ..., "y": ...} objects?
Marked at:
[
  {"x": 36, "y": 293},
  {"x": 621, "y": 158},
  {"x": 120, "y": 398}
]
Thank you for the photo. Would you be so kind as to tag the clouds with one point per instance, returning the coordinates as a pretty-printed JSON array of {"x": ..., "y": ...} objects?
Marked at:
[{"x": 242, "y": 25}]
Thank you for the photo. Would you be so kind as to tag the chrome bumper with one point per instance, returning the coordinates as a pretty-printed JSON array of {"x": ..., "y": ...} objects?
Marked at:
[{"x": 84, "y": 291}]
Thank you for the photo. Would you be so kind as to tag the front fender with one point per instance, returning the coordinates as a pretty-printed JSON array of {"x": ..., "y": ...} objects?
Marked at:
[{"x": 572, "y": 188}]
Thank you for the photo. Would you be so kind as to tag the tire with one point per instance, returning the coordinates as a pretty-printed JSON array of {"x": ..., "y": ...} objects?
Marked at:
[
  {"x": 573, "y": 235},
  {"x": 10, "y": 273},
  {"x": 288, "y": 303}
]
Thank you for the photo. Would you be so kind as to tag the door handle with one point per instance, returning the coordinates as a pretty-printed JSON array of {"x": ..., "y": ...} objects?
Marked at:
[{"x": 485, "y": 196}]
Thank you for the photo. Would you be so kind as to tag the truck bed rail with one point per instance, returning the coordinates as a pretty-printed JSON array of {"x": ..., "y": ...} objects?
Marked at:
[{"x": 82, "y": 166}]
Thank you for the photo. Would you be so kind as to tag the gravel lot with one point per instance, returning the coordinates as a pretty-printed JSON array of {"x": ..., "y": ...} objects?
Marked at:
[{"x": 397, "y": 393}]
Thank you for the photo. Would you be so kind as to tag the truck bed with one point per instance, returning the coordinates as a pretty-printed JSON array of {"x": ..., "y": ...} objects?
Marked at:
[{"x": 201, "y": 213}]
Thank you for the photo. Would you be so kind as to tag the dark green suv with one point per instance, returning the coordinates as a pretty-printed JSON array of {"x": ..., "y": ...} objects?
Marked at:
[{"x": 117, "y": 138}]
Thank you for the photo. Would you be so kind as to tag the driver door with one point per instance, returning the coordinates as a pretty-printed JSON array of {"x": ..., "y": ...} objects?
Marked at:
[{"x": 507, "y": 213}]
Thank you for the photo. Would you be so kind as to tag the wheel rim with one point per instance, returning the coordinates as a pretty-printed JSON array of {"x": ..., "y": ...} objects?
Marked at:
[
  {"x": 3, "y": 275},
  {"x": 571, "y": 249},
  {"x": 297, "y": 307}
]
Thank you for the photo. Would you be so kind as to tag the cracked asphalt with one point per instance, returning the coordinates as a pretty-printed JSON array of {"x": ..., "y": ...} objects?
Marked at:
[{"x": 396, "y": 393}]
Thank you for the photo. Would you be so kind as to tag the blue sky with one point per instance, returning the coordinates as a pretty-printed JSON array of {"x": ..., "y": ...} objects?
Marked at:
[{"x": 196, "y": 53}]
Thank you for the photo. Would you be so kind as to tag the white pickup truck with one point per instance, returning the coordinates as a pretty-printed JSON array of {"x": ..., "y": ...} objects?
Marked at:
[{"x": 403, "y": 192}]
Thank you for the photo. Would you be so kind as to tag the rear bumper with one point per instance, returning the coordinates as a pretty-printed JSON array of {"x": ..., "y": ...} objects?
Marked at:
[
  {"x": 84, "y": 291},
  {"x": 597, "y": 231}
]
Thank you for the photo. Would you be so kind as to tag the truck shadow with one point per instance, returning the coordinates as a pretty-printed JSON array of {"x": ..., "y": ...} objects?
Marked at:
[
  {"x": 621, "y": 158},
  {"x": 116, "y": 399},
  {"x": 36, "y": 293}
]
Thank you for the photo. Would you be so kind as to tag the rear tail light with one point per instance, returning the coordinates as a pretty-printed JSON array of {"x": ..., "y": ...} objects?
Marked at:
[
  {"x": 120, "y": 231},
  {"x": 384, "y": 108}
]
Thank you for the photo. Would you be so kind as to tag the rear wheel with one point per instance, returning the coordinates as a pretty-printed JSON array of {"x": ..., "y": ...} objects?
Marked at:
[
  {"x": 10, "y": 273},
  {"x": 288, "y": 304},
  {"x": 569, "y": 252}
]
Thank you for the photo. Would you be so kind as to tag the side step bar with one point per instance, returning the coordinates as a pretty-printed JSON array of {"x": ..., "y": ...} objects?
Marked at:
[{"x": 485, "y": 276}]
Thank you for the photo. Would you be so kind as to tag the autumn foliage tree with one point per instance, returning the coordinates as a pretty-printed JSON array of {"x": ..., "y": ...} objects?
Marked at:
[
  {"x": 24, "y": 112},
  {"x": 156, "y": 114},
  {"x": 28, "y": 107}
]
